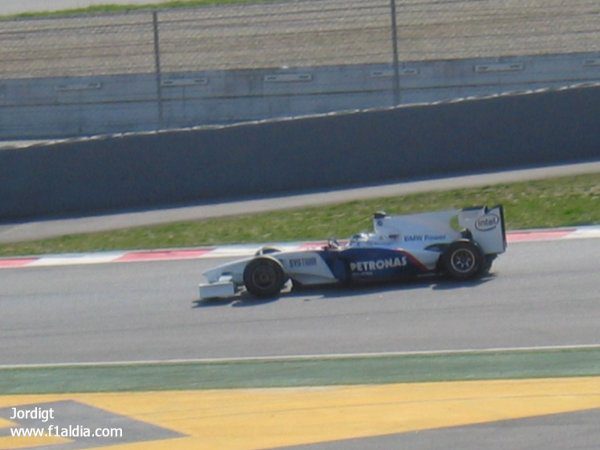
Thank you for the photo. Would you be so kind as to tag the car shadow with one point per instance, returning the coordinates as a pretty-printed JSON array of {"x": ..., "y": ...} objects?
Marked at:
[
  {"x": 335, "y": 291},
  {"x": 239, "y": 300}
]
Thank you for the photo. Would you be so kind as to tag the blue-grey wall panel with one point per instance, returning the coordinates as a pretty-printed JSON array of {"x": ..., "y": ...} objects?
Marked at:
[{"x": 297, "y": 155}]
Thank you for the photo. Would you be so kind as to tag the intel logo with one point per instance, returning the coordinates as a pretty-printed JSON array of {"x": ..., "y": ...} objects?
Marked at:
[{"x": 487, "y": 222}]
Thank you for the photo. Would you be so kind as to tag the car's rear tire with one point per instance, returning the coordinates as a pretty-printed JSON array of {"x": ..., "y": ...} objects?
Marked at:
[
  {"x": 264, "y": 277},
  {"x": 463, "y": 260}
]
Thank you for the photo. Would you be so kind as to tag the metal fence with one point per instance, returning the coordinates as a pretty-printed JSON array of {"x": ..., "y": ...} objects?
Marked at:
[
  {"x": 292, "y": 33},
  {"x": 148, "y": 70}
]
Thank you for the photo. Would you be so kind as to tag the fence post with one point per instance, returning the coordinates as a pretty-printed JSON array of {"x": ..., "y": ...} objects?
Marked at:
[
  {"x": 395, "y": 53},
  {"x": 157, "y": 69}
]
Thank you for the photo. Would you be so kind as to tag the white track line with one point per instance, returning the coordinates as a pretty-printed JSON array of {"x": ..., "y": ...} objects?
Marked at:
[{"x": 303, "y": 357}]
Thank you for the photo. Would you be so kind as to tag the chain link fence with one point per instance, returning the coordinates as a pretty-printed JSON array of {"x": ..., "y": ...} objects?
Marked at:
[{"x": 301, "y": 33}]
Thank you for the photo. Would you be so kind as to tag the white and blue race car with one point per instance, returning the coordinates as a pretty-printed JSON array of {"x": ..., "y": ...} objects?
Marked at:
[{"x": 459, "y": 243}]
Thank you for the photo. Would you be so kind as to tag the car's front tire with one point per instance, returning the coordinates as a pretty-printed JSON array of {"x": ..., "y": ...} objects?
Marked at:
[
  {"x": 264, "y": 277},
  {"x": 463, "y": 260}
]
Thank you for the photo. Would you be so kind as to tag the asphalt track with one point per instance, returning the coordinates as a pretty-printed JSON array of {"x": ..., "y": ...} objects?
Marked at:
[
  {"x": 560, "y": 431},
  {"x": 541, "y": 294},
  {"x": 22, "y": 6}
]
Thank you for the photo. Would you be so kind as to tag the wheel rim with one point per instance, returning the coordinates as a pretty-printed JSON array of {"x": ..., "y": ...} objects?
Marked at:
[
  {"x": 264, "y": 276},
  {"x": 462, "y": 260}
]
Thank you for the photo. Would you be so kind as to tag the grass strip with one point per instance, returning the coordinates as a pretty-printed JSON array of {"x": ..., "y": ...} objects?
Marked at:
[
  {"x": 564, "y": 201},
  {"x": 304, "y": 372},
  {"x": 111, "y": 8}
]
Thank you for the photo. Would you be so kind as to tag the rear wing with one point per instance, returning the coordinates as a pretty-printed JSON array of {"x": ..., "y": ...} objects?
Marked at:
[
  {"x": 486, "y": 226},
  {"x": 482, "y": 224}
]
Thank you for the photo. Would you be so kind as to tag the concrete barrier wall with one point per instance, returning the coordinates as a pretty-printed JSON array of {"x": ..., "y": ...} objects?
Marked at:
[
  {"x": 139, "y": 171},
  {"x": 59, "y": 107}
]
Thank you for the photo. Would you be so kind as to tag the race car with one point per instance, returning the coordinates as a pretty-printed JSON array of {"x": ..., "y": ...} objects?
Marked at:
[{"x": 461, "y": 243}]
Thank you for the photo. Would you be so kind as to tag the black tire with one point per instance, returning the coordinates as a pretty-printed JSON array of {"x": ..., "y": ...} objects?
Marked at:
[
  {"x": 264, "y": 277},
  {"x": 463, "y": 260}
]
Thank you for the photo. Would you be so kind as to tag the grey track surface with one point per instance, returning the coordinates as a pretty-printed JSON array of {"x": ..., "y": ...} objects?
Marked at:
[
  {"x": 577, "y": 430},
  {"x": 50, "y": 228},
  {"x": 543, "y": 294},
  {"x": 296, "y": 34},
  {"x": 27, "y": 6}
]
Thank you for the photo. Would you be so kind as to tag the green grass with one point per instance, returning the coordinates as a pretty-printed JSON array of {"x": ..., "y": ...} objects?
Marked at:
[
  {"x": 565, "y": 201},
  {"x": 116, "y": 8},
  {"x": 304, "y": 372}
]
